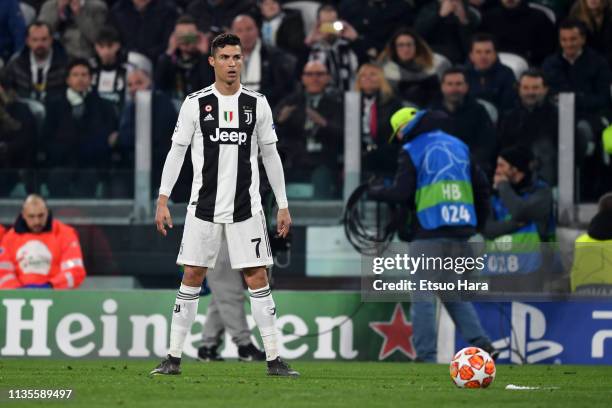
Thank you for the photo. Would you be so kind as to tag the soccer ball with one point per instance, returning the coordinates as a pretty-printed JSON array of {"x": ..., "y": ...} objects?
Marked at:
[{"x": 472, "y": 367}]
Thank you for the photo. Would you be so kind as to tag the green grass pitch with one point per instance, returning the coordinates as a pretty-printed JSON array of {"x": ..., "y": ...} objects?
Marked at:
[{"x": 125, "y": 383}]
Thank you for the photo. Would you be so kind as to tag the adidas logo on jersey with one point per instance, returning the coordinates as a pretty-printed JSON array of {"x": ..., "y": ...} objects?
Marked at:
[
  {"x": 208, "y": 117},
  {"x": 227, "y": 136}
]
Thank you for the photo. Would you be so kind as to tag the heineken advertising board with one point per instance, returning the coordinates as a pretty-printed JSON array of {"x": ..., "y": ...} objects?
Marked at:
[{"x": 136, "y": 324}]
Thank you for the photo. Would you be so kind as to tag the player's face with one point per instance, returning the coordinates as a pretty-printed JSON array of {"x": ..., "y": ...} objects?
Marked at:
[
  {"x": 35, "y": 215},
  {"x": 227, "y": 63},
  {"x": 79, "y": 78}
]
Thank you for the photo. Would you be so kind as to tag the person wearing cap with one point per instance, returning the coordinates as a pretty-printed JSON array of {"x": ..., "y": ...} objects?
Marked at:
[
  {"x": 522, "y": 216},
  {"x": 446, "y": 197},
  {"x": 591, "y": 270}
]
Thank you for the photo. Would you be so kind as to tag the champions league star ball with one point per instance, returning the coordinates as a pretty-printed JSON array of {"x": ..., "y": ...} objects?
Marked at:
[{"x": 472, "y": 367}]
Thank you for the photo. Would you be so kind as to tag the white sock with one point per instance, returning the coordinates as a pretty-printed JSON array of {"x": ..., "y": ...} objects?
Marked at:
[
  {"x": 264, "y": 314},
  {"x": 183, "y": 315}
]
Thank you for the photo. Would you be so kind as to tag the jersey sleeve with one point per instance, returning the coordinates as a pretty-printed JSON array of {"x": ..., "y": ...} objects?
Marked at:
[
  {"x": 266, "y": 133},
  {"x": 186, "y": 123},
  {"x": 8, "y": 272},
  {"x": 72, "y": 270}
]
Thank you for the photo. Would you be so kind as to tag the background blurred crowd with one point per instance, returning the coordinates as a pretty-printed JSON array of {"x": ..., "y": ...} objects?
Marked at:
[{"x": 70, "y": 70}]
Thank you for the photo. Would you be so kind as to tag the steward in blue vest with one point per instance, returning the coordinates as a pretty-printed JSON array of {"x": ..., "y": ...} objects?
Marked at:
[
  {"x": 521, "y": 220},
  {"x": 444, "y": 193}
]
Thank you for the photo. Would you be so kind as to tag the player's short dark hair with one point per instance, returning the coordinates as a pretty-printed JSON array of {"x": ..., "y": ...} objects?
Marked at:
[
  {"x": 605, "y": 202},
  {"x": 108, "y": 35},
  {"x": 534, "y": 73},
  {"x": 39, "y": 24},
  {"x": 185, "y": 19},
  {"x": 483, "y": 37},
  {"x": 454, "y": 70},
  {"x": 82, "y": 62},
  {"x": 571, "y": 23},
  {"x": 223, "y": 40}
]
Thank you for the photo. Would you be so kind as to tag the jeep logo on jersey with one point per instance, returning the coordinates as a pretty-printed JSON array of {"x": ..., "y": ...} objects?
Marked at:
[{"x": 229, "y": 136}]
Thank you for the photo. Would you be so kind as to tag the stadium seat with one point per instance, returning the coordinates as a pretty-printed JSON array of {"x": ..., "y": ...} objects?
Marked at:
[
  {"x": 441, "y": 64},
  {"x": 29, "y": 13},
  {"x": 515, "y": 62},
  {"x": 140, "y": 61},
  {"x": 490, "y": 108},
  {"x": 547, "y": 11},
  {"x": 308, "y": 10}
]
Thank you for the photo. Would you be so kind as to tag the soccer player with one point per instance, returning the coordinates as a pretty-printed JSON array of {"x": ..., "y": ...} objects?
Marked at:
[{"x": 226, "y": 125}]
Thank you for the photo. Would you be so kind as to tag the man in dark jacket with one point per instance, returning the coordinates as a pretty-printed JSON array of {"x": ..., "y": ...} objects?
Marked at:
[
  {"x": 533, "y": 123},
  {"x": 184, "y": 67},
  {"x": 487, "y": 78},
  {"x": 468, "y": 120},
  {"x": 79, "y": 130},
  {"x": 578, "y": 69},
  {"x": 17, "y": 136},
  {"x": 47, "y": 77},
  {"x": 521, "y": 30},
  {"x": 215, "y": 16},
  {"x": 144, "y": 25},
  {"x": 309, "y": 126},
  {"x": 431, "y": 161},
  {"x": 265, "y": 69}
]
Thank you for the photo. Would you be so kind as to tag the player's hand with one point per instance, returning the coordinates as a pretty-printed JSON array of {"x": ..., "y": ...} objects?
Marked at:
[
  {"x": 162, "y": 217},
  {"x": 283, "y": 222}
]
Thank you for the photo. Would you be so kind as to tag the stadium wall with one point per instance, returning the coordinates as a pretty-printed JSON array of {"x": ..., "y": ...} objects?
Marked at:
[{"x": 314, "y": 326}]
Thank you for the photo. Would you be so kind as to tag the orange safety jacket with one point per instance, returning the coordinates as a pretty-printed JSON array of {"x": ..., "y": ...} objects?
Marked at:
[{"x": 52, "y": 256}]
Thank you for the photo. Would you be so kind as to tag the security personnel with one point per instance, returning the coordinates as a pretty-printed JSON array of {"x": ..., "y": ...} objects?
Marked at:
[
  {"x": 592, "y": 267},
  {"x": 40, "y": 252},
  {"x": 522, "y": 218},
  {"x": 439, "y": 183}
]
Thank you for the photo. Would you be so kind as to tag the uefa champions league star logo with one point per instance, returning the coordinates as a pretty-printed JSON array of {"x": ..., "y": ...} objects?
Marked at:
[{"x": 441, "y": 152}]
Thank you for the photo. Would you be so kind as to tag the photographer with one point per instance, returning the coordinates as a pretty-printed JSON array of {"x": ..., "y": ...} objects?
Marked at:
[
  {"x": 432, "y": 162},
  {"x": 184, "y": 67}
]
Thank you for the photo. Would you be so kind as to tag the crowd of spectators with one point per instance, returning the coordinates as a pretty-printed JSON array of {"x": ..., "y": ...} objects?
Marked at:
[{"x": 69, "y": 71}]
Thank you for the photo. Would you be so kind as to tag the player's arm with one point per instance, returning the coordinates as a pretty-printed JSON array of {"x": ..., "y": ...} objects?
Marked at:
[
  {"x": 181, "y": 139},
  {"x": 274, "y": 168}
]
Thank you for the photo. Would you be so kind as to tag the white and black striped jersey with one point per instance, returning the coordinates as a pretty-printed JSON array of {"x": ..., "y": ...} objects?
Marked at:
[{"x": 225, "y": 133}]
